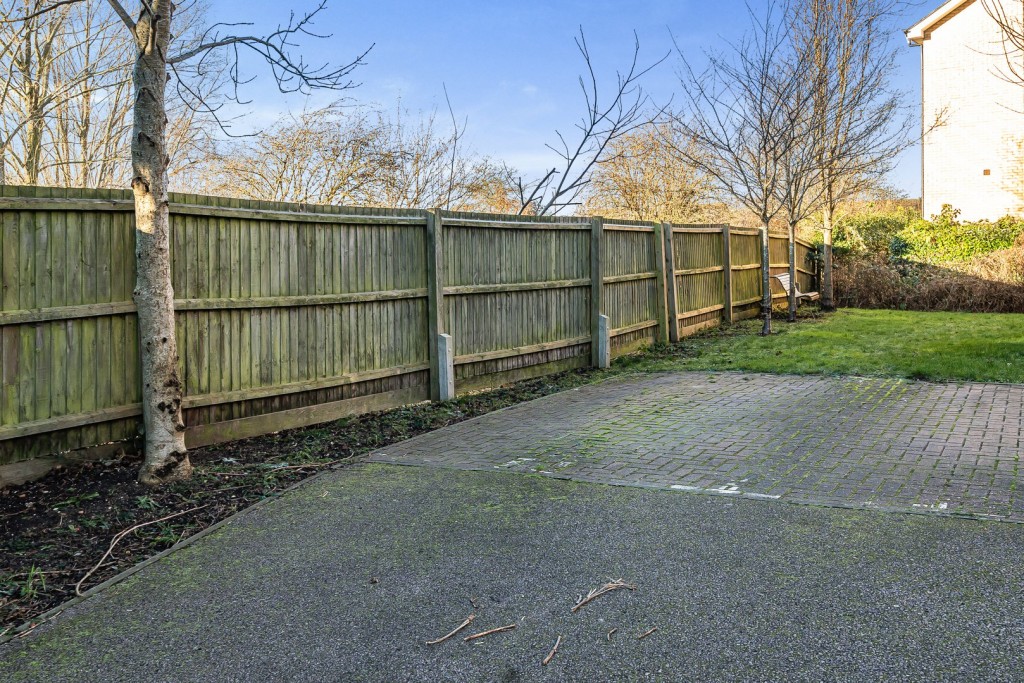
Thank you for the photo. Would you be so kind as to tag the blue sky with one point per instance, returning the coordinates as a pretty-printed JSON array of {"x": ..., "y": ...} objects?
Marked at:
[{"x": 511, "y": 67}]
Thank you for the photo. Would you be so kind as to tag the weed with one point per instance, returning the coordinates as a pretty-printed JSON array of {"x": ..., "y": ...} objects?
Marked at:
[
  {"x": 146, "y": 503},
  {"x": 76, "y": 500}
]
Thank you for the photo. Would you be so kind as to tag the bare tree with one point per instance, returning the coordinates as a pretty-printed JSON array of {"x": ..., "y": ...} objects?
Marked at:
[
  {"x": 1009, "y": 16},
  {"x": 737, "y": 112},
  {"x": 604, "y": 122},
  {"x": 319, "y": 156},
  {"x": 353, "y": 155},
  {"x": 645, "y": 178},
  {"x": 158, "y": 56},
  {"x": 801, "y": 189},
  {"x": 860, "y": 121},
  {"x": 423, "y": 166},
  {"x": 65, "y": 95}
]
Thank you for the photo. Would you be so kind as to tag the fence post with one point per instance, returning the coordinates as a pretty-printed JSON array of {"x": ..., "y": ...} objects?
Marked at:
[
  {"x": 727, "y": 274},
  {"x": 435, "y": 306},
  {"x": 604, "y": 342},
  {"x": 791, "y": 298},
  {"x": 659, "y": 268},
  {"x": 596, "y": 289},
  {"x": 446, "y": 367},
  {"x": 670, "y": 282}
]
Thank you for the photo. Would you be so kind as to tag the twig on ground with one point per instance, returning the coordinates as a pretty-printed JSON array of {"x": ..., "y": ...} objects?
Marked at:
[
  {"x": 598, "y": 592},
  {"x": 458, "y": 628},
  {"x": 122, "y": 534},
  {"x": 551, "y": 655},
  {"x": 487, "y": 633},
  {"x": 646, "y": 633},
  {"x": 37, "y": 624},
  {"x": 611, "y": 632}
]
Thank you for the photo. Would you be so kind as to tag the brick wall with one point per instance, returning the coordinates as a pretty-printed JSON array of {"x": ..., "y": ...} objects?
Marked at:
[{"x": 975, "y": 159}]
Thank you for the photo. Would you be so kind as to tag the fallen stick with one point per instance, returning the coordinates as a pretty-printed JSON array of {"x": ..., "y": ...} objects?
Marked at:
[
  {"x": 646, "y": 633},
  {"x": 458, "y": 628},
  {"x": 598, "y": 592},
  {"x": 551, "y": 655},
  {"x": 122, "y": 534},
  {"x": 487, "y": 633}
]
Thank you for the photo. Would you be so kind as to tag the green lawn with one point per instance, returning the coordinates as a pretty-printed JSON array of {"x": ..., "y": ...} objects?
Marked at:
[{"x": 987, "y": 347}]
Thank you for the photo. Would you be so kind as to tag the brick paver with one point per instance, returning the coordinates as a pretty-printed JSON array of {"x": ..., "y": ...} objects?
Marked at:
[{"x": 861, "y": 442}]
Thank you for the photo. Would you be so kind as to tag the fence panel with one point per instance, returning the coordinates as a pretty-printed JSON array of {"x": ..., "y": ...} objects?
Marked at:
[
  {"x": 290, "y": 314},
  {"x": 516, "y": 296},
  {"x": 279, "y": 311},
  {"x": 700, "y": 276},
  {"x": 631, "y": 293},
  {"x": 746, "y": 272}
]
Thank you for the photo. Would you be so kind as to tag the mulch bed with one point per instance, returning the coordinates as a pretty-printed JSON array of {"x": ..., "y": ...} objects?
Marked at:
[{"x": 55, "y": 531}]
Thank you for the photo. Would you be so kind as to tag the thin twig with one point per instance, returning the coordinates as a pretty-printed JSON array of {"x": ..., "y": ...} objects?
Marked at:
[
  {"x": 551, "y": 655},
  {"x": 610, "y": 634},
  {"x": 487, "y": 633},
  {"x": 598, "y": 592},
  {"x": 458, "y": 628},
  {"x": 646, "y": 633},
  {"x": 122, "y": 534}
]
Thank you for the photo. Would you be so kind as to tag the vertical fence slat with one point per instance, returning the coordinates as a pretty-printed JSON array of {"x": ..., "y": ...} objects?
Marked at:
[{"x": 596, "y": 289}]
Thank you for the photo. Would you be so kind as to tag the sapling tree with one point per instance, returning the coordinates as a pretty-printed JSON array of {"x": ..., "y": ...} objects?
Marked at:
[
  {"x": 859, "y": 121},
  {"x": 737, "y": 112}
]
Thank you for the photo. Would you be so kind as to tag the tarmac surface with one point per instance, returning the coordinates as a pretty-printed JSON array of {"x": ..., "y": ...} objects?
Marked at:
[{"x": 346, "y": 577}]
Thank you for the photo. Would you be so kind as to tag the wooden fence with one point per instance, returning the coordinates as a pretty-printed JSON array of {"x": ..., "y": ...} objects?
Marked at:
[{"x": 289, "y": 315}]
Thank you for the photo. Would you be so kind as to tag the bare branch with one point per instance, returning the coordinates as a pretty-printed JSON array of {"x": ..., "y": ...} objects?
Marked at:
[
  {"x": 600, "y": 126},
  {"x": 40, "y": 12},
  {"x": 122, "y": 14}
]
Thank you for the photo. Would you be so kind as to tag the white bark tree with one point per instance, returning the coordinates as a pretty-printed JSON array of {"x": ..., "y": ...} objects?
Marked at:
[{"x": 157, "y": 55}]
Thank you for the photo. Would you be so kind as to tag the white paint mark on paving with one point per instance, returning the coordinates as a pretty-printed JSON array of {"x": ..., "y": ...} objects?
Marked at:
[
  {"x": 516, "y": 462},
  {"x": 727, "y": 489}
]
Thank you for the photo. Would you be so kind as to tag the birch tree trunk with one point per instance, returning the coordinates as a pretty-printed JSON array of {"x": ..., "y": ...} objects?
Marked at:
[
  {"x": 766, "y": 282},
  {"x": 792, "y": 272},
  {"x": 827, "y": 294},
  {"x": 166, "y": 458}
]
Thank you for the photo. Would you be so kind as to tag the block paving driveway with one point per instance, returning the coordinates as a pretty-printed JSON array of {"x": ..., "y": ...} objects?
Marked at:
[{"x": 841, "y": 441}]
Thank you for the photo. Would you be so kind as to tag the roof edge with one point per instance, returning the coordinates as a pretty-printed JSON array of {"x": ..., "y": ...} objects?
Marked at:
[{"x": 916, "y": 33}]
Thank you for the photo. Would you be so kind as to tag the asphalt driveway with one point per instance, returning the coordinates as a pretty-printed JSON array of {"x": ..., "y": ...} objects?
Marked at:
[{"x": 346, "y": 578}]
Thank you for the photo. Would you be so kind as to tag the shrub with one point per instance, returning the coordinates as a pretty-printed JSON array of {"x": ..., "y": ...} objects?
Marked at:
[
  {"x": 879, "y": 282},
  {"x": 872, "y": 232},
  {"x": 944, "y": 239}
]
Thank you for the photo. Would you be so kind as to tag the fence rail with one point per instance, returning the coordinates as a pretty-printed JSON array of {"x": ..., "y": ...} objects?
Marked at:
[{"x": 290, "y": 314}]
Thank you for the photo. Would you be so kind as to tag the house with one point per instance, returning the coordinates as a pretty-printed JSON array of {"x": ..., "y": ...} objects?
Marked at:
[{"x": 972, "y": 113}]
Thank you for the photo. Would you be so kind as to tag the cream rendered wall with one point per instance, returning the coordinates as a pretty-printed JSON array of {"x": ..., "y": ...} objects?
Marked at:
[{"x": 983, "y": 127}]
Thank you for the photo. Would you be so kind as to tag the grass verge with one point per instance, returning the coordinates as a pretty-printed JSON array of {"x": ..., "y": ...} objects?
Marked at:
[{"x": 979, "y": 347}]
